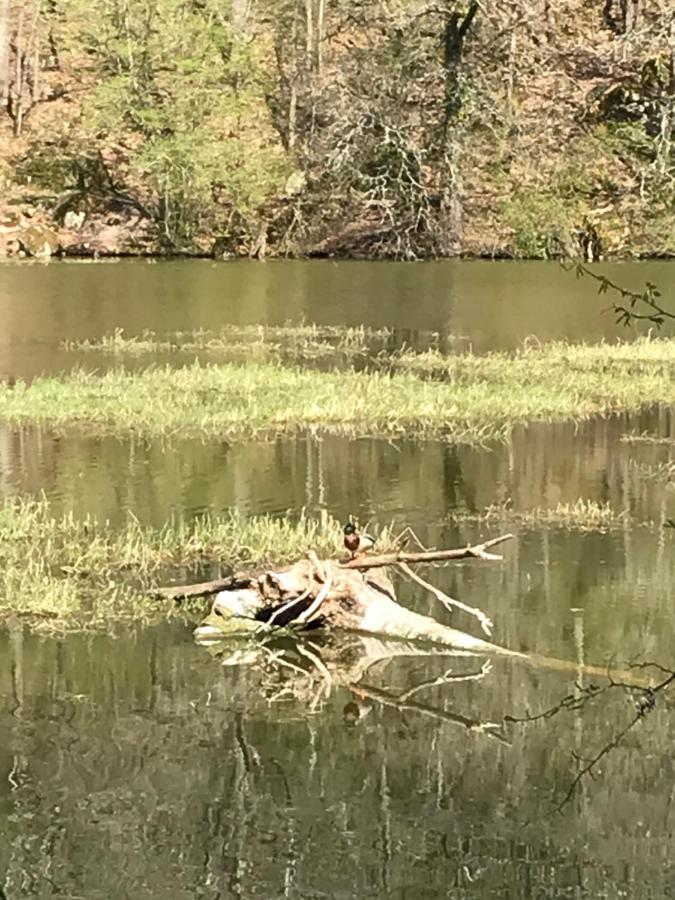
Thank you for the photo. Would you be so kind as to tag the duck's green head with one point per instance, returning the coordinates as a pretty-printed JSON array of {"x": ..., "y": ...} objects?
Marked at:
[{"x": 350, "y": 528}]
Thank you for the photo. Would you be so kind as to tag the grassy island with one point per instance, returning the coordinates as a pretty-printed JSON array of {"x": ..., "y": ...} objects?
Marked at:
[
  {"x": 67, "y": 571},
  {"x": 464, "y": 398}
]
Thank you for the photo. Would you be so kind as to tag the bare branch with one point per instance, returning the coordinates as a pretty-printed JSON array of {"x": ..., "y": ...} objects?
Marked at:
[
  {"x": 477, "y": 551},
  {"x": 233, "y": 582},
  {"x": 370, "y": 692},
  {"x": 203, "y": 589},
  {"x": 485, "y": 623}
]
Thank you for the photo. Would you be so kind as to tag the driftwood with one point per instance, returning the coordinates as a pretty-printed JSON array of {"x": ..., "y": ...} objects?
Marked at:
[
  {"x": 352, "y": 594},
  {"x": 208, "y": 588},
  {"x": 477, "y": 551},
  {"x": 184, "y": 591}
]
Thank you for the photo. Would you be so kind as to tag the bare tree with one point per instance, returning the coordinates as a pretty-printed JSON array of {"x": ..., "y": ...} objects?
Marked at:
[
  {"x": 240, "y": 10},
  {"x": 5, "y": 10},
  {"x": 23, "y": 63}
]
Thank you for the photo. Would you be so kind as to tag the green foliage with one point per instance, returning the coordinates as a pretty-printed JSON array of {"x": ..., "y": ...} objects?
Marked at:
[
  {"x": 626, "y": 138},
  {"x": 185, "y": 100},
  {"x": 398, "y": 120},
  {"x": 650, "y": 161},
  {"x": 541, "y": 221}
]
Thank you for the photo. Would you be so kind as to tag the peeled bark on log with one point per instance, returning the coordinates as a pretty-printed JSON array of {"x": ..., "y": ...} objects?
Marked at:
[
  {"x": 202, "y": 589},
  {"x": 344, "y": 597}
]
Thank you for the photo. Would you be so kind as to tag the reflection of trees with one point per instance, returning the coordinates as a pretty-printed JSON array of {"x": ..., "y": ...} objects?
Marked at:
[
  {"x": 150, "y": 768},
  {"x": 542, "y": 466},
  {"x": 346, "y": 659}
]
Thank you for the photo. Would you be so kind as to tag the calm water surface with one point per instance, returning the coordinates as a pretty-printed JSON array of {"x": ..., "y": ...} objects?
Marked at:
[
  {"x": 487, "y": 305},
  {"x": 139, "y": 765}
]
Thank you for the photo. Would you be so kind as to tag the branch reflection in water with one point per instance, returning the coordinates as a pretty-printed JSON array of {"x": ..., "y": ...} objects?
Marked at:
[
  {"x": 335, "y": 765},
  {"x": 306, "y": 669}
]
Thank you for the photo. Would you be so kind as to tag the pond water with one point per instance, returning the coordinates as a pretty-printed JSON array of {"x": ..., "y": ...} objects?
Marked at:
[
  {"x": 488, "y": 305},
  {"x": 141, "y": 765}
]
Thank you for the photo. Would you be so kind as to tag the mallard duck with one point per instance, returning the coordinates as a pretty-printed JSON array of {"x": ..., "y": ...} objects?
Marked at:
[{"x": 355, "y": 541}]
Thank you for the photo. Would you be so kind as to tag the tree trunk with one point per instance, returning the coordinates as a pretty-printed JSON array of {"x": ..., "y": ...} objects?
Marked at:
[
  {"x": 4, "y": 52},
  {"x": 668, "y": 115},
  {"x": 16, "y": 92},
  {"x": 320, "y": 29},
  {"x": 239, "y": 16},
  {"x": 364, "y": 605},
  {"x": 456, "y": 29},
  {"x": 309, "y": 26}
]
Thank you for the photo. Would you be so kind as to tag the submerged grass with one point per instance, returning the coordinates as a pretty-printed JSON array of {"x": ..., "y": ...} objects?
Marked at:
[
  {"x": 582, "y": 515},
  {"x": 462, "y": 397},
  {"x": 74, "y": 572},
  {"x": 290, "y": 342},
  {"x": 646, "y": 437},
  {"x": 253, "y": 342}
]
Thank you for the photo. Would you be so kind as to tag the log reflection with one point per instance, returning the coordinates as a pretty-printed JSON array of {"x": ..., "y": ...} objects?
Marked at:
[{"x": 309, "y": 669}]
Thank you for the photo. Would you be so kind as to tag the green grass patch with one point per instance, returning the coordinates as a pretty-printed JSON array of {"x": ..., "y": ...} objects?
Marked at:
[
  {"x": 462, "y": 397},
  {"x": 582, "y": 515},
  {"x": 70, "y": 573}
]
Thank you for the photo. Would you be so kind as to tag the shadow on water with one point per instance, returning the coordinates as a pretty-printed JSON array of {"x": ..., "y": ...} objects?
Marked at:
[{"x": 139, "y": 767}]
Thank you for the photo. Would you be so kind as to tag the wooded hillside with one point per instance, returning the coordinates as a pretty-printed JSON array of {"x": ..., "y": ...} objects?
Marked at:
[{"x": 374, "y": 128}]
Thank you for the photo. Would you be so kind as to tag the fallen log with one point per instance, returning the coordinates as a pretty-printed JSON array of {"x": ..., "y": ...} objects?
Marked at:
[
  {"x": 202, "y": 589},
  {"x": 354, "y": 595}
]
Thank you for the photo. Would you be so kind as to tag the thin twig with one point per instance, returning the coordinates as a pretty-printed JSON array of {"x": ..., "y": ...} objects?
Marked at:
[
  {"x": 588, "y": 768},
  {"x": 643, "y": 708},
  {"x": 650, "y": 297},
  {"x": 485, "y": 623},
  {"x": 446, "y": 678}
]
